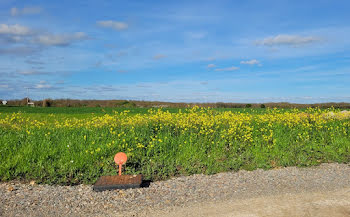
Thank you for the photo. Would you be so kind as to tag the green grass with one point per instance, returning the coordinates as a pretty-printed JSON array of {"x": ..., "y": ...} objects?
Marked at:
[
  {"x": 73, "y": 155},
  {"x": 102, "y": 111},
  {"x": 72, "y": 110}
]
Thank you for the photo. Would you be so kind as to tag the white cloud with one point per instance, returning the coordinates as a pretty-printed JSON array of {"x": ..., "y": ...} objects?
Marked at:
[
  {"x": 232, "y": 68},
  {"x": 211, "y": 65},
  {"x": 61, "y": 40},
  {"x": 18, "y": 33},
  {"x": 4, "y": 86},
  {"x": 159, "y": 56},
  {"x": 14, "y": 29},
  {"x": 25, "y": 11},
  {"x": 43, "y": 86},
  {"x": 251, "y": 62},
  {"x": 287, "y": 40},
  {"x": 116, "y": 25},
  {"x": 32, "y": 72}
]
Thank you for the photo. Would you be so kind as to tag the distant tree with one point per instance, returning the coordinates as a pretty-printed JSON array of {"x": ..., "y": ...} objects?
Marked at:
[
  {"x": 221, "y": 105},
  {"x": 47, "y": 103},
  {"x": 24, "y": 101}
]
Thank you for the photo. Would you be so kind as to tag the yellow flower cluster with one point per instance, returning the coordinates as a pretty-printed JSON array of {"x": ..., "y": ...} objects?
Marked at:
[{"x": 206, "y": 123}]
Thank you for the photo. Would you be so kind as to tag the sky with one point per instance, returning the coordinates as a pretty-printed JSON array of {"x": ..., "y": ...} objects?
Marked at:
[{"x": 177, "y": 51}]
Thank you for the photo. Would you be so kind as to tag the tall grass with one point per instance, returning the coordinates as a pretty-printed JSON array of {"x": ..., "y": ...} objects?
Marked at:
[{"x": 63, "y": 149}]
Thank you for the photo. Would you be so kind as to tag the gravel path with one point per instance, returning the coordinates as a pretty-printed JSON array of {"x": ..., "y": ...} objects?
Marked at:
[
  {"x": 311, "y": 204},
  {"x": 18, "y": 199}
]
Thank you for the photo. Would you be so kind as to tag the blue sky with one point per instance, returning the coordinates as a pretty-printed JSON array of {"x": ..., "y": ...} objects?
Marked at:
[{"x": 178, "y": 51}]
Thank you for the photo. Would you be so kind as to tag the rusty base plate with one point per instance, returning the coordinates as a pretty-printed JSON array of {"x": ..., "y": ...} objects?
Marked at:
[{"x": 118, "y": 182}]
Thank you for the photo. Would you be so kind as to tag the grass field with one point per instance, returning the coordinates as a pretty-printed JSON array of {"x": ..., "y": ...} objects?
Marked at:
[
  {"x": 102, "y": 111},
  {"x": 77, "y": 145}
]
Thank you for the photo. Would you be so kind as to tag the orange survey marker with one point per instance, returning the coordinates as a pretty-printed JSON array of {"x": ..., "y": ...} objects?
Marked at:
[
  {"x": 120, "y": 159},
  {"x": 121, "y": 181}
]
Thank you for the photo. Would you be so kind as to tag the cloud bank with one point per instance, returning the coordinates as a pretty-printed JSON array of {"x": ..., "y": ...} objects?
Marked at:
[
  {"x": 116, "y": 25},
  {"x": 61, "y": 39},
  {"x": 289, "y": 40},
  {"x": 251, "y": 62},
  {"x": 15, "y": 29}
]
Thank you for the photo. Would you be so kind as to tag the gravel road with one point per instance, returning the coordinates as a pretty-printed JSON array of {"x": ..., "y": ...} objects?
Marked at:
[{"x": 292, "y": 191}]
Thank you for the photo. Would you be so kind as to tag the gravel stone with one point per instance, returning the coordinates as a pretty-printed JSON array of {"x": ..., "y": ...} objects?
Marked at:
[{"x": 31, "y": 199}]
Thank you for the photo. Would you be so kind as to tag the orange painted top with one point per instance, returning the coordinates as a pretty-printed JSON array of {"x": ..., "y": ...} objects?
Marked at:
[{"x": 120, "y": 158}]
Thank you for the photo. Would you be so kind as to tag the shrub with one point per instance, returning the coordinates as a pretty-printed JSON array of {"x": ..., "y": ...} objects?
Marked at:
[
  {"x": 24, "y": 102},
  {"x": 47, "y": 103}
]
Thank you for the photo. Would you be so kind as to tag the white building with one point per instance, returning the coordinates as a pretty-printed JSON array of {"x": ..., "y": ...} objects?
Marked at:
[{"x": 4, "y": 102}]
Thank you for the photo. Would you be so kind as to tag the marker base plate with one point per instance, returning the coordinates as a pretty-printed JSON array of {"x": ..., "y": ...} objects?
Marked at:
[{"x": 118, "y": 182}]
